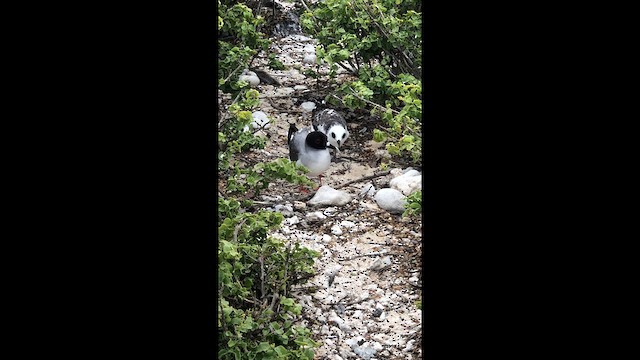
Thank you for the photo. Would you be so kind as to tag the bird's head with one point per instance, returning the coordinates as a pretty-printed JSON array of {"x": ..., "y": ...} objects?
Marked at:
[
  {"x": 317, "y": 140},
  {"x": 337, "y": 135}
]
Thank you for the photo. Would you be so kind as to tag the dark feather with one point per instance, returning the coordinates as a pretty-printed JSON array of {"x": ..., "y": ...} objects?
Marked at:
[
  {"x": 265, "y": 78},
  {"x": 293, "y": 152}
]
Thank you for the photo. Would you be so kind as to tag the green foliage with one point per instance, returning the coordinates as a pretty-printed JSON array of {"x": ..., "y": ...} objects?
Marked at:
[
  {"x": 413, "y": 206},
  {"x": 381, "y": 42},
  {"x": 256, "y": 319},
  {"x": 238, "y": 41},
  {"x": 255, "y": 272},
  {"x": 274, "y": 63}
]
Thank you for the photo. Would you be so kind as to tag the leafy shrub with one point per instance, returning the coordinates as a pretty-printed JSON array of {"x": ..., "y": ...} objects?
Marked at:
[
  {"x": 257, "y": 317},
  {"x": 255, "y": 274},
  {"x": 380, "y": 41},
  {"x": 413, "y": 206}
]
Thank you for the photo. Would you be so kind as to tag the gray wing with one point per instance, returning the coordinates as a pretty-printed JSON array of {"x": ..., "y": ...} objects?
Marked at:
[{"x": 328, "y": 117}]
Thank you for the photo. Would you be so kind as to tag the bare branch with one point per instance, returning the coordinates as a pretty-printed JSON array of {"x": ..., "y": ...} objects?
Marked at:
[{"x": 368, "y": 177}]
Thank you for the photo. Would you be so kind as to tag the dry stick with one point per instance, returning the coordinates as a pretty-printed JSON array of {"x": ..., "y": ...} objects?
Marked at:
[
  {"x": 233, "y": 72},
  {"x": 368, "y": 177},
  {"x": 237, "y": 229},
  {"x": 261, "y": 259},
  {"x": 286, "y": 267},
  {"x": 306, "y": 7},
  {"x": 369, "y": 102},
  {"x": 369, "y": 254}
]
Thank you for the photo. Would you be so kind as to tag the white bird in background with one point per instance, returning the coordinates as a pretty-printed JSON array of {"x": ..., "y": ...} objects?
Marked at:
[
  {"x": 250, "y": 77},
  {"x": 332, "y": 124},
  {"x": 309, "y": 147}
]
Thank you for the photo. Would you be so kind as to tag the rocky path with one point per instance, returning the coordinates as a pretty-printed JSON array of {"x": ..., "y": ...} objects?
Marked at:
[{"x": 362, "y": 303}]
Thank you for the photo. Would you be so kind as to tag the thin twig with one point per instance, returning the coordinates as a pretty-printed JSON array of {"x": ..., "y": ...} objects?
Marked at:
[
  {"x": 368, "y": 177},
  {"x": 378, "y": 253},
  {"x": 306, "y": 7},
  {"x": 237, "y": 229},
  {"x": 369, "y": 102},
  {"x": 233, "y": 72},
  {"x": 261, "y": 259},
  {"x": 286, "y": 268}
]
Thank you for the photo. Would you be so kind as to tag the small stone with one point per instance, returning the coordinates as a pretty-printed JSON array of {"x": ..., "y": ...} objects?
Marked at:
[
  {"x": 300, "y": 87},
  {"x": 284, "y": 91},
  {"x": 308, "y": 106},
  {"x": 383, "y": 316},
  {"x": 315, "y": 216},
  {"x": 327, "y": 196},
  {"x": 409, "y": 345},
  {"x": 407, "y": 183},
  {"x": 335, "y": 229},
  {"x": 368, "y": 190},
  {"x": 330, "y": 211},
  {"x": 381, "y": 263},
  {"x": 326, "y": 238},
  {"x": 347, "y": 224},
  {"x": 309, "y": 59},
  {"x": 292, "y": 220},
  {"x": 390, "y": 200},
  {"x": 260, "y": 120},
  {"x": 299, "y": 205}
]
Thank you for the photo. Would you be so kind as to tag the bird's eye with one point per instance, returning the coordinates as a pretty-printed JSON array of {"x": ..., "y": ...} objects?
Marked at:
[
  {"x": 343, "y": 135},
  {"x": 333, "y": 135}
]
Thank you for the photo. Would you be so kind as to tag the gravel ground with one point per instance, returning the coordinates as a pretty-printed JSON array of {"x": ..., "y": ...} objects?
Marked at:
[{"x": 362, "y": 302}]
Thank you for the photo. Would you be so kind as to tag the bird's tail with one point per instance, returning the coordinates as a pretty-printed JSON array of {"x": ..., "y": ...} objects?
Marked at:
[{"x": 292, "y": 130}]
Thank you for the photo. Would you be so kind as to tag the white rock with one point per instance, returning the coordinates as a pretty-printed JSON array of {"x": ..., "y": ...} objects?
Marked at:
[
  {"x": 330, "y": 211},
  {"x": 315, "y": 216},
  {"x": 308, "y": 106},
  {"x": 300, "y": 87},
  {"x": 390, "y": 200},
  {"x": 284, "y": 91},
  {"x": 297, "y": 38},
  {"x": 335, "y": 229},
  {"x": 347, "y": 224},
  {"x": 299, "y": 205},
  {"x": 283, "y": 208},
  {"x": 327, "y": 196},
  {"x": 408, "y": 182},
  {"x": 395, "y": 172},
  {"x": 381, "y": 263},
  {"x": 260, "y": 120},
  {"x": 368, "y": 190},
  {"x": 309, "y": 59},
  {"x": 376, "y": 345},
  {"x": 309, "y": 49},
  {"x": 292, "y": 220},
  {"x": 326, "y": 238},
  {"x": 409, "y": 345}
]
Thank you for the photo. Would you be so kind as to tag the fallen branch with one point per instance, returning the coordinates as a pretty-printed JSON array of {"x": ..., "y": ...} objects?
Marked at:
[
  {"x": 368, "y": 177},
  {"x": 369, "y": 254}
]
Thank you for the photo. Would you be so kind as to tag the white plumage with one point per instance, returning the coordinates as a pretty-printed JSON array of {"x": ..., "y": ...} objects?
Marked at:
[
  {"x": 332, "y": 124},
  {"x": 309, "y": 148}
]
